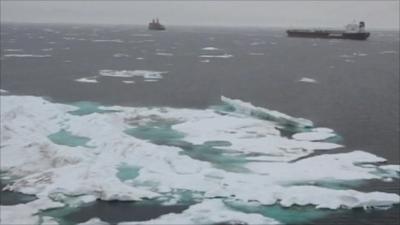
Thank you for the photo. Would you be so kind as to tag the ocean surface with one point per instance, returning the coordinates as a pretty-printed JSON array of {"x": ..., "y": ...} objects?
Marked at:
[{"x": 349, "y": 86}]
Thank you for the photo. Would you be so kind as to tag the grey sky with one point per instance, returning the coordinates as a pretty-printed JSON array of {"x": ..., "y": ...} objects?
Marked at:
[{"x": 377, "y": 14}]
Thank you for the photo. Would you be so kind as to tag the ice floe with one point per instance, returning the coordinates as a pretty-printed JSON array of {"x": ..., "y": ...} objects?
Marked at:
[
  {"x": 120, "y": 55},
  {"x": 388, "y": 52},
  {"x": 146, "y": 74},
  {"x": 307, "y": 80},
  {"x": 2, "y": 91},
  {"x": 216, "y": 56},
  {"x": 113, "y": 40},
  {"x": 210, "y": 48},
  {"x": 205, "y": 61},
  {"x": 87, "y": 80},
  {"x": 174, "y": 149},
  {"x": 313, "y": 136},
  {"x": 13, "y": 50},
  {"x": 208, "y": 212},
  {"x": 128, "y": 81},
  {"x": 256, "y": 53},
  {"x": 47, "y": 49},
  {"x": 26, "y": 56},
  {"x": 164, "y": 54}
]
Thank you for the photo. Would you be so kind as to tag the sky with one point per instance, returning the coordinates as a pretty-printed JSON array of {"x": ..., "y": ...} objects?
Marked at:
[{"x": 328, "y": 13}]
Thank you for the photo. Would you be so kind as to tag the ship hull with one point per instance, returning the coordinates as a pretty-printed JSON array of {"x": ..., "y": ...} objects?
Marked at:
[{"x": 328, "y": 34}]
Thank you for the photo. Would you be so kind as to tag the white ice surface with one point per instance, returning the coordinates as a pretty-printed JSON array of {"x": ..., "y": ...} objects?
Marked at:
[
  {"x": 113, "y": 40},
  {"x": 210, "y": 48},
  {"x": 46, "y": 169},
  {"x": 26, "y": 56},
  {"x": 208, "y": 212},
  {"x": 164, "y": 54},
  {"x": 216, "y": 56},
  {"x": 313, "y": 136},
  {"x": 94, "y": 221},
  {"x": 24, "y": 213},
  {"x": 307, "y": 80},
  {"x": 146, "y": 74},
  {"x": 87, "y": 80}
]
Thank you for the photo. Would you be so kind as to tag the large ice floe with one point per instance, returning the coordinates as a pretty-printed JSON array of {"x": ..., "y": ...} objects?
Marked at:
[
  {"x": 146, "y": 74},
  {"x": 221, "y": 161}
]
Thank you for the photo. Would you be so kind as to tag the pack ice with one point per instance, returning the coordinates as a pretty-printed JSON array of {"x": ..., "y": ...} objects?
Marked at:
[{"x": 236, "y": 151}]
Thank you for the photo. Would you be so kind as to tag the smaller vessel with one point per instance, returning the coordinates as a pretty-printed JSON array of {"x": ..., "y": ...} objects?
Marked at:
[
  {"x": 352, "y": 31},
  {"x": 156, "y": 25}
]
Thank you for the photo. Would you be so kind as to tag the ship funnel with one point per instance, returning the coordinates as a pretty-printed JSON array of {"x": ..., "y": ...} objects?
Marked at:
[{"x": 362, "y": 24}]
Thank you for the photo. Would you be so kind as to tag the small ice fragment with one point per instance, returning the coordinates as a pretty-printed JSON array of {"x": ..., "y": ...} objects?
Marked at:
[
  {"x": 312, "y": 136},
  {"x": 87, "y": 80},
  {"x": 307, "y": 80},
  {"x": 26, "y": 55},
  {"x": 164, "y": 54},
  {"x": 216, "y": 56},
  {"x": 120, "y": 55},
  {"x": 210, "y": 48},
  {"x": 128, "y": 81}
]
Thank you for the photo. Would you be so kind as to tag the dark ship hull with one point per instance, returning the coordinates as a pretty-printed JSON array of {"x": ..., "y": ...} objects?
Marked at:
[
  {"x": 331, "y": 34},
  {"x": 156, "y": 27}
]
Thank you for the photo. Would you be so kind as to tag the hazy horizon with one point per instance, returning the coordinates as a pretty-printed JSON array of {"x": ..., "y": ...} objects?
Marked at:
[{"x": 378, "y": 15}]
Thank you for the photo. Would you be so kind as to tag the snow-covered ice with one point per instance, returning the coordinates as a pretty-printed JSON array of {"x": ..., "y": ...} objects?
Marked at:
[
  {"x": 245, "y": 134},
  {"x": 26, "y": 56},
  {"x": 87, "y": 80},
  {"x": 210, "y": 48},
  {"x": 307, "y": 80},
  {"x": 216, "y": 56},
  {"x": 146, "y": 74}
]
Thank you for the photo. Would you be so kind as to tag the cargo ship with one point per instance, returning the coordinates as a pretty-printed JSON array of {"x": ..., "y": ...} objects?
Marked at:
[
  {"x": 352, "y": 31},
  {"x": 156, "y": 25}
]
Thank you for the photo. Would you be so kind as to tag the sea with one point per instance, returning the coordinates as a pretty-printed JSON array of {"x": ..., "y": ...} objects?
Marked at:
[{"x": 349, "y": 86}]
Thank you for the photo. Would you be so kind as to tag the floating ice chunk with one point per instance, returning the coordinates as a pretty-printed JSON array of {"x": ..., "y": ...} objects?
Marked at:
[
  {"x": 333, "y": 167},
  {"x": 47, "y": 49},
  {"x": 255, "y": 43},
  {"x": 139, "y": 58},
  {"x": 322, "y": 130},
  {"x": 142, "y": 35},
  {"x": 256, "y": 53},
  {"x": 164, "y": 54},
  {"x": 346, "y": 56},
  {"x": 69, "y": 38},
  {"x": 388, "y": 52},
  {"x": 146, "y": 74},
  {"x": 120, "y": 55},
  {"x": 349, "y": 60},
  {"x": 2, "y": 91},
  {"x": 26, "y": 56},
  {"x": 94, "y": 221},
  {"x": 216, "y": 56},
  {"x": 113, "y": 40},
  {"x": 211, "y": 211},
  {"x": 334, "y": 199},
  {"x": 87, "y": 80},
  {"x": 307, "y": 80},
  {"x": 359, "y": 54},
  {"x": 205, "y": 61},
  {"x": 249, "y": 109},
  {"x": 210, "y": 48},
  {"x": 395, "y": 168},
  {"x": 25, "y": 213},
  {"x": 128, "y": 81},
  {"x": 313, "y": 136},
  {"x": 13, "y": 50}
]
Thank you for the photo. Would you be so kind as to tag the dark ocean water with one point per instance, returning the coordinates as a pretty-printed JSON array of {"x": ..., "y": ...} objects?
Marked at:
[{"x": 356, "y": 94}]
